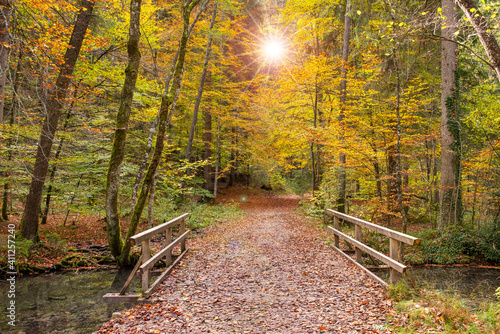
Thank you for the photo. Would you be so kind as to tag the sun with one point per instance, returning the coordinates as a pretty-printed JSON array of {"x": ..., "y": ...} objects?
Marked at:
[{"x": 274, "y": 50}]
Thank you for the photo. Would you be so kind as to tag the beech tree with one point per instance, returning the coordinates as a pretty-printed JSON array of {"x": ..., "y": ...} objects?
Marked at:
[
  {"x": 122, "y": 119},
  {"x": 343, "y": 100},
  {"x": 450, "y": 195},
  {"x": 29, "y": 221}
]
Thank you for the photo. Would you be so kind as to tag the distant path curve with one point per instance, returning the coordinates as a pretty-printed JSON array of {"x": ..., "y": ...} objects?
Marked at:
[{"x": 271, "y": 272}]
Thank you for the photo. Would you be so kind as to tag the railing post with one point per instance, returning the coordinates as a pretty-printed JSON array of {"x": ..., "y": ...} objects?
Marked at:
[
  {"x": 336, "y": 226},
  {"x": 394, "y": 253},
  {"x": 168, "y": 240},
  {"x": 359, "y": 237},
  {"x": 146, "y": 255},
  {"x": 182, "y": 229}
]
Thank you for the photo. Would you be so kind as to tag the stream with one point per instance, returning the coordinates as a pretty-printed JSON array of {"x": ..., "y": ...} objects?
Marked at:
[
  {"x": 475, "y": 285},
  {"x": 63, "y": 302},
  {"x": 70, "y": 302}
]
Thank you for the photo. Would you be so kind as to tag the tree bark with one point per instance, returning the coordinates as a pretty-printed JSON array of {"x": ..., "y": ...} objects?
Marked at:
[
  {"x": 450, "y": 203},
  {"x": 163, "y": 115},
  {"x": 29, "y": 221},
  {"x": 341, "y": 201},
  {"x": 202, "y": 85},
  {"x": 5, "y": 11},
  {"x": 115, "y": 241},
  {"x": 490, "y": 44}
]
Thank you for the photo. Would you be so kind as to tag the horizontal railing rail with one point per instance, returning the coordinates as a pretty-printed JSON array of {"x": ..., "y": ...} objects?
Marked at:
[{"x": 395, "y": 238}]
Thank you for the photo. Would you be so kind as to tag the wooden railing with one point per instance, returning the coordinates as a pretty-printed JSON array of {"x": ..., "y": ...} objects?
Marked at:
[
  {"x": 146, "y": 261},
  {"x": 395, "y": 238}
]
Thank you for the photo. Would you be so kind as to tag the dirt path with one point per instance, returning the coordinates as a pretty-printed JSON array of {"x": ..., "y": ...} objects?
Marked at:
[{"x": 269, "y": 273}]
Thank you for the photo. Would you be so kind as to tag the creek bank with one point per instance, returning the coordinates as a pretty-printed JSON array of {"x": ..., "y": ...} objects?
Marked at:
[{"x": 475, "y": 285}]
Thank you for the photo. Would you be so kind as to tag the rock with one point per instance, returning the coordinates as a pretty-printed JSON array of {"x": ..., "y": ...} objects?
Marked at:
[{"x": 116, "y": 315}]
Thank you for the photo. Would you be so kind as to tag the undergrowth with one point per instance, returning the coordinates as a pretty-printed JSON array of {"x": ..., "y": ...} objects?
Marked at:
[{"x": 428, "y": 311}]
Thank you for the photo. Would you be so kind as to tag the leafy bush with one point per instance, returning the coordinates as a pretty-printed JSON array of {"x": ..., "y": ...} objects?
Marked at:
[
  {"x": 490, "y": 242},
  {"x": 457, "y": 246}
]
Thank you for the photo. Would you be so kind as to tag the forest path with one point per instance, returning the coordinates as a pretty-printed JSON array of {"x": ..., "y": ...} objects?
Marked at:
[{"x": 270, "y": 272}]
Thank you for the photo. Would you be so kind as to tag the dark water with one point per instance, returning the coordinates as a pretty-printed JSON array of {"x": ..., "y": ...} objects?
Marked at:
[
  {"x": 66, "y": 302},
  {"x": 71, "y": 302},
  {"x": 475, "y": 285}
]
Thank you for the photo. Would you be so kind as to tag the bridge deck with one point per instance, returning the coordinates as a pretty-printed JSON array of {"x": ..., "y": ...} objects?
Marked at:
[{"x": 269, "y": 273}]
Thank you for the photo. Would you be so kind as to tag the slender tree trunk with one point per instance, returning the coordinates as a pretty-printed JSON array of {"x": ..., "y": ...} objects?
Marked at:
[
  {"x": 166, "y": 103},
  {"x": 217, "y": 159},
  {"x": 392, "y": 192},
  {"x": 115, "y": 241},
  {"x": 376, "y": 167},
  {"x": 341, "y": 201},
  {"x": 68, "y": 208},
  {"x": 399, "y": 177},
  {"x": 151, "y": 202},
  {"x": 5, "y": 11},
  {"x": 202, "y": 85},
  {"x": 144, "y": 163},
  {"x": 29, "y": 221},
  {"x": 234, "y": 156},
  {"x": 450, "y": 203},
  {"x": 313, "y": 168},
  {"x": 207, "y": 169}
]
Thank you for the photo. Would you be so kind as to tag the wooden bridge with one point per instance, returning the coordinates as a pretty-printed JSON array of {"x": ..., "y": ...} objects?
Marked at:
[{"x": 146, "y": 262}]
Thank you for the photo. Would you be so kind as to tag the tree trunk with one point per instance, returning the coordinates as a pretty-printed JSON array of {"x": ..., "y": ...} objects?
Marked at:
[
  {"x": 341, "y": 201},
  {"x": 202, "y": 85},
  {"x": 5, "y": 11},
  {"x": 166, "y": 103},
  {"x": 392, "y": 192},
  {"x": 151, "y": 202},
  {"x": 450, "y": 197},
  {"x": 217, "y": 159},
  {"x": 399, "y": 177},
  {"x": 115, "y": 241},
  {"x": 29, "y": 221},
  {"x": 144, "y": 163},
  {"x": 207, "y": 169},
  {"x": 484, "y": 32}
]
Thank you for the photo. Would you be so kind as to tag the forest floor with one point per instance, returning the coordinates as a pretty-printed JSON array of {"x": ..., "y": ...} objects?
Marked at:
[{"x": 269, "y": 272}]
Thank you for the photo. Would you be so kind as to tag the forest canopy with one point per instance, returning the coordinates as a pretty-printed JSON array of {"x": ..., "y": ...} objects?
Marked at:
[{"x": 388, "y": 110}]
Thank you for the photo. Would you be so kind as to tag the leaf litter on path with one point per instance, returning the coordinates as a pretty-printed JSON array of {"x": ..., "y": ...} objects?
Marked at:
[{"x": 270, "y": 272}]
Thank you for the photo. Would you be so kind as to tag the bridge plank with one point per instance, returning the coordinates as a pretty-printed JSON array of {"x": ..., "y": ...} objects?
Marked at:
[
  {"x": 160, "y": 279},
  {"x": 407, "y": 239},
  {"x": 382, "y": 257}
]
